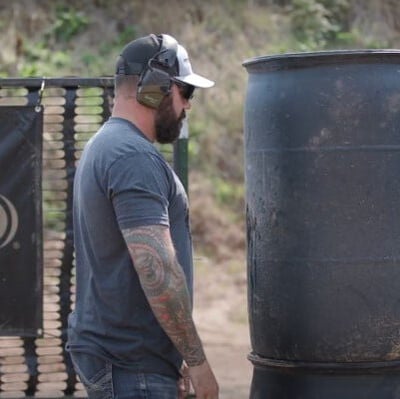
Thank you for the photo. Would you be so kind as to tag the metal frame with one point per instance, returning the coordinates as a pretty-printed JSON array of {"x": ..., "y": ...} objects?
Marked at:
[{"x": 36, "y": 375}]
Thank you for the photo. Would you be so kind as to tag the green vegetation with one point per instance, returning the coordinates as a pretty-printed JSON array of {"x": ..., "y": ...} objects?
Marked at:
[
  {"x": 317, "y": 23},
  {"x": 64, "y": 38},
  {"x": 68, "y": 23},
  {"x": 43, "y": 61}
]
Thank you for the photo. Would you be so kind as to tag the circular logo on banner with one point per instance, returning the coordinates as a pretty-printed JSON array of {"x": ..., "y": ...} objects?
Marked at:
[{"x": 8, "y": 221}]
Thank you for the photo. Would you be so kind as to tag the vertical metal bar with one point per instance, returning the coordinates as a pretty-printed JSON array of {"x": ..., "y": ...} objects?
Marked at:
[
  {"x": 181, "y": 161},
  {"x": 68, "y": 254},
  {"x": 107, "y": 93},
  {"x": 33, "y": 95},
  {"x": 31, "y": 361},
  {"x": 31, "y": 358},
  {"x": 181, "y": 156}
]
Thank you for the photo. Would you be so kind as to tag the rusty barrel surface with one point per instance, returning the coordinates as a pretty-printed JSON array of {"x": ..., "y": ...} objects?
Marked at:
[{"x": 322, "y": 172}]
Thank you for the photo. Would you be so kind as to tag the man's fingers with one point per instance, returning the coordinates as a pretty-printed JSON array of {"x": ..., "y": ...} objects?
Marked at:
[{"x": 186, "y": 383}]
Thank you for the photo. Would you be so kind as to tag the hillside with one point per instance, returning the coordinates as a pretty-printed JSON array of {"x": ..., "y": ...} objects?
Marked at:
[
  {"x": 61, "y": 38},
  {"x": 75, "y": 38}
]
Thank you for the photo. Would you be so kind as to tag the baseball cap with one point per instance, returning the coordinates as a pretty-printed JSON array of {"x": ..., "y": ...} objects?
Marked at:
[{"x": 168, "y": 56}]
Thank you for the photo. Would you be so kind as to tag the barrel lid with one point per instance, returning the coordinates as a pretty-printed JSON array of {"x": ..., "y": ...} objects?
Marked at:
[{"x": 303, "y": 59}]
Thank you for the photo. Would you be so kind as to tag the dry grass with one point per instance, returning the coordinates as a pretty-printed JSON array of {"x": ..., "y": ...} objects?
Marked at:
[{"x": 214, "y": 234}]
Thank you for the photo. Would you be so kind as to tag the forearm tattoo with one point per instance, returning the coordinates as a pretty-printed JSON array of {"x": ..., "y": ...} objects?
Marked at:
[{"x": 164, "y": 285}]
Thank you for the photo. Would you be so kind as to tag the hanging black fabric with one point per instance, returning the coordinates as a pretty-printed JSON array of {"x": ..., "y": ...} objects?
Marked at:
[{"x": 20, "y": 220}]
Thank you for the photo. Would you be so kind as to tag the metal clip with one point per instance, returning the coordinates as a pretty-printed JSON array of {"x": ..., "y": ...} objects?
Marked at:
[{"x": 40, "y": 95}]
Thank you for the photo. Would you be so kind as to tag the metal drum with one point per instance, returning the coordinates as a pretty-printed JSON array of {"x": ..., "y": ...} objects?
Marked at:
[{"x": 322, "y": 171}]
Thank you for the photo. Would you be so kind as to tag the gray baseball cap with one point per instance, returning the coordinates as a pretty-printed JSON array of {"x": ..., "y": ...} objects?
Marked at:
[{"x": 164, "y": 52}]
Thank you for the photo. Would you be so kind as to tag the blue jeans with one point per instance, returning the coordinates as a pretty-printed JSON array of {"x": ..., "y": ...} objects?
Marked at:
[{"x": 102, "y": 380}]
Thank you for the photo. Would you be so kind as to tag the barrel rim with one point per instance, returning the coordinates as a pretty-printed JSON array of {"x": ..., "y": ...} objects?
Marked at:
[
  {"x": 319, "y": 57},
  {"x": 331, "y": 367}
]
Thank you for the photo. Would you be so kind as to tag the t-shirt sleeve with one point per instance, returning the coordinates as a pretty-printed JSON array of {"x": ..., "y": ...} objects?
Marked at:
[{"x": 138, "y": 187}]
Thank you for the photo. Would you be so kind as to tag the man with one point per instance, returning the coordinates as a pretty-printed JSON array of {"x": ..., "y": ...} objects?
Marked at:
[{"x": 132, "y": 329}]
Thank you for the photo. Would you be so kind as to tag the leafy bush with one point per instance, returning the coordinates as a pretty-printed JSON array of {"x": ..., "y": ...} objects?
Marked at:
[
  {"x": 68, "y": 24},
  {"x": 317, "y": 23},
  {"x": 43, "y": 61}
]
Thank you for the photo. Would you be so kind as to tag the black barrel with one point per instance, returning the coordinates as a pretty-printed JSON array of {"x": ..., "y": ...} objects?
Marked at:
[{"x": 322, "y": 168}]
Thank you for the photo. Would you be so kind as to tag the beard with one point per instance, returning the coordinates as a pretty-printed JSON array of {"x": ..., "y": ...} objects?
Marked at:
[{"x": 167, "y": 124}]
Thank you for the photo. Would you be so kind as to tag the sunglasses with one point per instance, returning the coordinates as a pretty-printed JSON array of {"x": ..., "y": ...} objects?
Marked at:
[{"x": 185, "y": 90}]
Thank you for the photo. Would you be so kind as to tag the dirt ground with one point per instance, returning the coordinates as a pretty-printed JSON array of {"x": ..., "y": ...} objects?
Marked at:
[{"x": 220, "y": 312}]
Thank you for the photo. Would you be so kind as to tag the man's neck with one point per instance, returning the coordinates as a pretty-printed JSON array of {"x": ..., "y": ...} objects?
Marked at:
[{"x": 142, "y": 117}]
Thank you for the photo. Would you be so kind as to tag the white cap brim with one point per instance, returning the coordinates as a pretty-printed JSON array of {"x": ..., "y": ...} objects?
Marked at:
[
  {"x": 186, "y": 74},
  {"x": 196, "y": 80}
]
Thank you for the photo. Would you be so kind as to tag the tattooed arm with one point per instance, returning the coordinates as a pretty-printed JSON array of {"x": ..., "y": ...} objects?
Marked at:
[{"x": 164, "y": 285}]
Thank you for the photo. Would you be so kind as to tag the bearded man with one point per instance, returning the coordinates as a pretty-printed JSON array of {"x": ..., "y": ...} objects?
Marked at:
[{"x": 131, "y": 334}]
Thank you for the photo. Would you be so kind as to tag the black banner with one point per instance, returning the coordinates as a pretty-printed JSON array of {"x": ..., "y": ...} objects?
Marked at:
[{"x": 21, "y": 221}]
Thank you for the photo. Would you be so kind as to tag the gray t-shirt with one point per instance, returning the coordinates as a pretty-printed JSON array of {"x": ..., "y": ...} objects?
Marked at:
[{"x": 122, "y": 181}]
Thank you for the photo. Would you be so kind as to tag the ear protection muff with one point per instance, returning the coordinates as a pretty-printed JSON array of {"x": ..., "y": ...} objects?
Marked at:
[
  {"x": 155, "y": 81},
  {"x": 153, "y": 86}
]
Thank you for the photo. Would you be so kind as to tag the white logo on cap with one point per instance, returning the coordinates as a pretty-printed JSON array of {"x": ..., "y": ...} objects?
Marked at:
[{"x": 8, "y": 221}]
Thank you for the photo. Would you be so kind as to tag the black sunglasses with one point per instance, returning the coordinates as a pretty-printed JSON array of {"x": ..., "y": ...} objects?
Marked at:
[{"x": 185, "y": 90}]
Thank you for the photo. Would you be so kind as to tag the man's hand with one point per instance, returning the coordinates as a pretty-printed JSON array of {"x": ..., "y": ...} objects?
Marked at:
[
  {"x": 204, "y": 382},
  {"x": 184, "y": 382}
]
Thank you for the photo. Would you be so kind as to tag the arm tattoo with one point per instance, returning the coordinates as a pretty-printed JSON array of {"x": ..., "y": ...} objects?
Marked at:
[{"x": 164, "y": 285}]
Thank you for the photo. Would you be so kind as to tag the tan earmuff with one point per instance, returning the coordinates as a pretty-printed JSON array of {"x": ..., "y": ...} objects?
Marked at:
[{"x": 155, "y": 81}]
